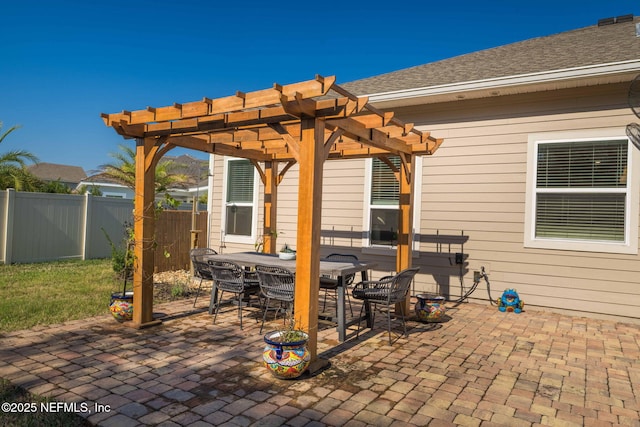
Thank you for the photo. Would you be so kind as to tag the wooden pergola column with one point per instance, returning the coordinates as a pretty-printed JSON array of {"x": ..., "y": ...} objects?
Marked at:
[
  {"x": 406, "y": 177},
  {"x": 144, "y": 230},
  {"x": 270, "y": 206},
  {"x": 311, "y": 160}
]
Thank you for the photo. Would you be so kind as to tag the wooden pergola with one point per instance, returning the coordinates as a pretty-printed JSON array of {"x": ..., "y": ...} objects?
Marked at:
[{"x": 305, "y": 123}]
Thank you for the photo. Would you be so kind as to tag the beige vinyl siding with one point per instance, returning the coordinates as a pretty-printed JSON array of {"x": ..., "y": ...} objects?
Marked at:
[
  {"x": 342, "y": 206},
  {"x": 475, "y": 185}
]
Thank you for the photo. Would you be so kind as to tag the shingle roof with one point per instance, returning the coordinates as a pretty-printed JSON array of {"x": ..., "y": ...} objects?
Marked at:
[
  {"x": 577, "y": 48},
  {"x": 55, "y": 172},
  {"x": 101, "y": 177}
]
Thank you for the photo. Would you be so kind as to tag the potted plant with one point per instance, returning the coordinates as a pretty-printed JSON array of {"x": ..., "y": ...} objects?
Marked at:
[
  {"x": 430, "y": 308},
  {"x": 287, "y": 253},
  {"x": 121, "y": 304},
  {"x": 286, "y": 354}
]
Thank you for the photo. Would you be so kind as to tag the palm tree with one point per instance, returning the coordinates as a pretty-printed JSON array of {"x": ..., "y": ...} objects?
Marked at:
[
  {"x": 13, "y": 171},
  {"x": 124, "y": 171}
]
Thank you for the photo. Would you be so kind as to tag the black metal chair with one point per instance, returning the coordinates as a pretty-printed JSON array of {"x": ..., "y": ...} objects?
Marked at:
[
  {"x": 330, "y": 284},
  {"x": 276, "y": 283},
  {"x": 227, "y": 277},
  {"x": 385, "y": 292},
  {"x": 200, "y": 266}
]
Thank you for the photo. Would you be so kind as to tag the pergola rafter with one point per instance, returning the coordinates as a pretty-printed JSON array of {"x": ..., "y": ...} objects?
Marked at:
[{"x": 303, "y": 123}]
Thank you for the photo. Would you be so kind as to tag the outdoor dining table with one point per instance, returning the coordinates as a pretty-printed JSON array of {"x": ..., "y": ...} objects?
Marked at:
[{"x": 338, "y": 269}]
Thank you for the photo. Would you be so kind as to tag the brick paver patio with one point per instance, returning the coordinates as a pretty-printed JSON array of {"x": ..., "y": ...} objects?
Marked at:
[{"x": 481, "y": 367}]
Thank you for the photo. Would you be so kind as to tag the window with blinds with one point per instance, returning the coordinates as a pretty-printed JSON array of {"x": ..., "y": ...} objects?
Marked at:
[
  {"x": 384, "y": 186},
  {"x": 384, "y": 204},
  {"x": 239, "y": 198},
  {"x": 581, "y": 190}
]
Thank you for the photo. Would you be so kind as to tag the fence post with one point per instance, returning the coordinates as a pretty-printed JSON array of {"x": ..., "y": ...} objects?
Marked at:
[
  {"x": 86, "y": 238},
  {"x": 8, "y": 220}
]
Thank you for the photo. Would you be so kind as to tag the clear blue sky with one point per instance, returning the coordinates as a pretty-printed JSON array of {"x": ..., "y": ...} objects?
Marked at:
[{"x": 64, "y": 62}]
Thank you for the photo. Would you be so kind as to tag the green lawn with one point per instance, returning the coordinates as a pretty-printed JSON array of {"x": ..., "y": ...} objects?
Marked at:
[{"x": 54, "y": 292}]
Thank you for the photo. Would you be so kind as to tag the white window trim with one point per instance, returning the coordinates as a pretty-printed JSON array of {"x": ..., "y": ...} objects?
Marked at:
[
  {"x": 367, "y": 248},
  {"x": 234, "y": 238},
  {"x": 630, "y": 244}
]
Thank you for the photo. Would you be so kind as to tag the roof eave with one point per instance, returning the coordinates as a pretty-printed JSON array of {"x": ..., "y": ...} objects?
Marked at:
[{"x": 531, "y": 82}]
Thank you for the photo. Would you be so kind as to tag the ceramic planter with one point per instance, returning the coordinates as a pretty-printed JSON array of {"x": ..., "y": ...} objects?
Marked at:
[
  {"x": 121, "y": 306},
  {"x": 430, "y": 308},
  {"x": 286, "y": 360}
]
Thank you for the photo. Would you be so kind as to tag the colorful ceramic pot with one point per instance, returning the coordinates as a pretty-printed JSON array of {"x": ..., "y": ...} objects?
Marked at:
[
  {"x": 121, "y": 307},
  {"x": 430, "y": 308},
  {"x": 286, "y": 360}
]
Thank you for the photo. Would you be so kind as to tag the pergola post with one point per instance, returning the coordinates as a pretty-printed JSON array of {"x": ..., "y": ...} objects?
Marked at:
[
  {"x": 144, "y": 229},
  {"x": 406, "y": 177},
  {"x": 270, "y": 206},
  {"x": 311, "y": 159}
]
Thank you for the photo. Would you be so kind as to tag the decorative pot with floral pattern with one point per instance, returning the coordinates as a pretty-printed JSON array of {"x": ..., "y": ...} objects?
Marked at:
[
  {"x": 121, "y": 307},
  {"x": 286, "y": 359},
  {"x": 430, "y": 308}
]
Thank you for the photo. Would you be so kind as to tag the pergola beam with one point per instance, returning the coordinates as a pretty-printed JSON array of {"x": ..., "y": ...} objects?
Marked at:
[{"x": 207, "y": 107}]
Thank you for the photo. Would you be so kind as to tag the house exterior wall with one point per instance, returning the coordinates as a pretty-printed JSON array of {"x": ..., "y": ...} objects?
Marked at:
[
  {"x": 472, "y": 201},
  {"x": 475, "y": 186}
]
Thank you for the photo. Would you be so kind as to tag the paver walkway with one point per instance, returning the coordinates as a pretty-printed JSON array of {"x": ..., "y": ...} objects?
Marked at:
[{"x": 481, "y": 367}]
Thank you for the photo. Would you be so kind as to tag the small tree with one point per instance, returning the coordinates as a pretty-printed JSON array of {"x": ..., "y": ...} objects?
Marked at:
[
  {"x": 13, "y": 170},
  {"x": 55, "y": 187}
]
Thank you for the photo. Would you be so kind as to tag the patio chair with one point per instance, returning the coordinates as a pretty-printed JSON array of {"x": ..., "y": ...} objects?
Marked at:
[
  {"x": 385, "y": 292},
  {"x": 227, "y": 277},
  {"x": 330, "y": 284},
  {"x": 276, "y": 283},
  {"x": 200, "y": 266}
]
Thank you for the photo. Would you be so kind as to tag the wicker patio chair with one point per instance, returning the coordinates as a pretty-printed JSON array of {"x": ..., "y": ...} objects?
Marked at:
[
  {"x": 200, "y": 266},
  {"x": 276, "y": 283},
  {"x": 330, "y": 284},
  {"x": 385, "y": 292},
  {"x": 227, "y": 277}
]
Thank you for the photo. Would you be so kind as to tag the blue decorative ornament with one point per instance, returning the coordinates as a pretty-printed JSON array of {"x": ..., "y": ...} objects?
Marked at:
[{"x": 510, "y": 301}]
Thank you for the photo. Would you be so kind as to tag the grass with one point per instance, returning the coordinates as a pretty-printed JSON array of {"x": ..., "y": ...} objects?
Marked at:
[{"x": 54, "y": 292}]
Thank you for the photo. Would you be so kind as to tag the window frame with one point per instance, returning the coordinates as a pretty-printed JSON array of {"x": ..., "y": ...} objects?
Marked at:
[
  {"x": 367, "y": 247},
  {"x": 630, "y": 243},
  {"x": 238, "y": 238}
]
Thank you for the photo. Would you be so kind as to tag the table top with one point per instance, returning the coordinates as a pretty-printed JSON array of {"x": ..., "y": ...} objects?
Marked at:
[{"x": 327, "y": 267}]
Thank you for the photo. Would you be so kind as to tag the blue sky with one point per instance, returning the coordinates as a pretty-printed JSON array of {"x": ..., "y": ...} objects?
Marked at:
[{"x": 64, "y": 62}]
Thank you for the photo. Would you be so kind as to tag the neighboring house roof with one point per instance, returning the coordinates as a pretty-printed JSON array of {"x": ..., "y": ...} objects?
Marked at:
[
  {"x": 55, "y": 172},
  {"x": 101, "y": 178},
  {"x": 581, "y": 49}
]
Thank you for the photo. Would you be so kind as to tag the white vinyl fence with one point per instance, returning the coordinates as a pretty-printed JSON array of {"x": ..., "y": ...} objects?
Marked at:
[{"x": 36, "y": 227}]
